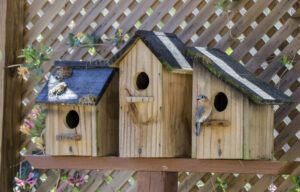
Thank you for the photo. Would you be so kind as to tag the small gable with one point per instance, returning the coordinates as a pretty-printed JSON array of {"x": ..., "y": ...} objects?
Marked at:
[
  {"x": 87, "y": 79},
  {"x": 232, "y": 72},
  {"x": 167, "y": 47}
]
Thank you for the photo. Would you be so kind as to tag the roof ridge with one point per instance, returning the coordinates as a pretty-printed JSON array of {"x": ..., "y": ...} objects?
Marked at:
[{"x": 81, "y": 64}]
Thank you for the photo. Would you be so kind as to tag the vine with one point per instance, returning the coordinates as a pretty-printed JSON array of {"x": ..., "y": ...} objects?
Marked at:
[
  {"x": 33, "y": 126},
  {"x": 26, "y": 179},
  {"x": 296, "y": 181},
  {"x": 221, "y": 185},
  {"x": 34, "y": 58},
  {"x": 225, "y": 4},
  {"x": 71, "y": 180},
  {"x": 92, "y": 41}
]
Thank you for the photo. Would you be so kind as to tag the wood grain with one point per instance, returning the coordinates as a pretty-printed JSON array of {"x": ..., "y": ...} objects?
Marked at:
[
  {"x": 11, "y": 42},
  {"x": 155, "y": 121},
  {"x": 163, "y": 164}
]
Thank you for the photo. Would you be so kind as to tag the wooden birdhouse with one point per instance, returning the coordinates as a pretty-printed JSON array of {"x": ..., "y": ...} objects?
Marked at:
[
  {"x": 241, "y": 122},
  {"x": 82, "y": 116},
  {"x": 155, "y": 96}
]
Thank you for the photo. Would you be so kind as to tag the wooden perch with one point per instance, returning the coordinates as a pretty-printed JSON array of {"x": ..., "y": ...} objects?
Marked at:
[
  {"x": 133, "y": 99},
  {"x": 221, "y": 123},
  {"x": 68, "y": 136}
]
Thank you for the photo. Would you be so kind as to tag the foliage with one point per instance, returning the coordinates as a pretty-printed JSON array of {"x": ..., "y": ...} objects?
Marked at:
[
  {"x": 26, "y": 179},
  {"x": 285, "y": 61},
  {"x": 221, "y": 185},
  {"x": 34, "y": 58},
  {"x": 296, "y": 182},
  {"x": 85, "y": 40},
  {"x": 34, "y": 124},
  {"x": 223, "y": 4},
  {"x": 108, "y": 179},
  {"x": 92, "y": 41},
  {"x": 72, "y": 181},
  {"x": 118, "y": 38}
]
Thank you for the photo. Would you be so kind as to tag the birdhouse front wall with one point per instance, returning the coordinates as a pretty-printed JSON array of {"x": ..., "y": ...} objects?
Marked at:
[
  {"x": 218, "y": 141},
  {"x": 154, "y": 113},
  {"x": 61, "y": 139},
  {"x": 140, "y": 114},
  {"x": 236, "y": 128}
]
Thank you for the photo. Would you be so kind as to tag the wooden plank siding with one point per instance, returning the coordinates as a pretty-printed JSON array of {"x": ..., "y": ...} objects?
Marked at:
[
  {"x": 107, "y": 115},
  {"x": 56, "y": 125},
  {"x": 218, "y": 142},
  {"x": 157, "y": 127}
]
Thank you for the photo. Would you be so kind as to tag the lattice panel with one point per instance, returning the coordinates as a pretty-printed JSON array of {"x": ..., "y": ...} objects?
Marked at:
[{"x": 256, "y": 32}]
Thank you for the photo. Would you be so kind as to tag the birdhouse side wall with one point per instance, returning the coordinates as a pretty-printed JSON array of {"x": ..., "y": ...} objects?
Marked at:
[
  {"x": 61, "y": 140},
  {"x": 107, "y": 114},
  {"x": 224, "y": 141},
  {"x": 177, "y": 114},
  {"x": 140, "y": 109},
  {"x": 258, "y": 131}
]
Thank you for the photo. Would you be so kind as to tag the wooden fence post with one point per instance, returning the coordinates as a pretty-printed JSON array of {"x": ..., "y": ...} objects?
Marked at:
[
  {"x": 11, "y": 41},
  {"x": 157, "y": 181}
]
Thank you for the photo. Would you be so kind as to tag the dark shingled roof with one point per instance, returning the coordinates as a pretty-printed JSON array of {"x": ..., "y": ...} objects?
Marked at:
[
  {"x": 88, "y": 78},
  {"x": 167, "y": 47},
  {"x": 232, "y": 72}
]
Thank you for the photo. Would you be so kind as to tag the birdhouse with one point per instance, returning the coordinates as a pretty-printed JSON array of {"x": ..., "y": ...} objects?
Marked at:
[
  {"x": 155, "y": 96},
  {"x": 82, "y": 109},
  {"x": 234, "y": 108}
]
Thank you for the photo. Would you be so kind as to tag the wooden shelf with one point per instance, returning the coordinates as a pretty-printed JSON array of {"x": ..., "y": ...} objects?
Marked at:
[{"x": 163, "y": 164}]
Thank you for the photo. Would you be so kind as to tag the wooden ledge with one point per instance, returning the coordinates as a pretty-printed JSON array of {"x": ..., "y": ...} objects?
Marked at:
[
  {"x": 139, "y": 99},
  {"x": 163, "y": 164},
  {"x": 221, "y": 123}
]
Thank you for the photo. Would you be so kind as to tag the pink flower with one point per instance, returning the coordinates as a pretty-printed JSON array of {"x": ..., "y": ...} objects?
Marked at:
[
  {"x": 31, "y": 180},
  {"x": 20, "y": 182},
  {"x": 29, "y": 123},
  {"x": 77, "y": 180}
]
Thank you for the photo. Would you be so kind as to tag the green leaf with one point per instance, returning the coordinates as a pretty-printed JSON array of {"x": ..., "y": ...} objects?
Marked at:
[
  {"x": 92, "y": 51},
  {"x": 108, "y": 179},
  {"x": 64, "y": 178},
  {"x": 71, "y": 38},
  {"x": 75, "y": 189},
  {"x": 221, "y": 4}
]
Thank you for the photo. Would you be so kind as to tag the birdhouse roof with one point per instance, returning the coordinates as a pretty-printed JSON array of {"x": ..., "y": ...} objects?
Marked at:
[
  {"x": 234, "y": 73},
  {"x": 167, "y": 47},
  {"x": 88, "y": 79}
]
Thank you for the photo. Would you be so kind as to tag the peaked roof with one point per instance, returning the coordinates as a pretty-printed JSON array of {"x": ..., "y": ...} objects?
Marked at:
[
  {"x": 167, "y": 47},
  {"x": 232, "y": 72},
  {"x": 87, "y": 79}
]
